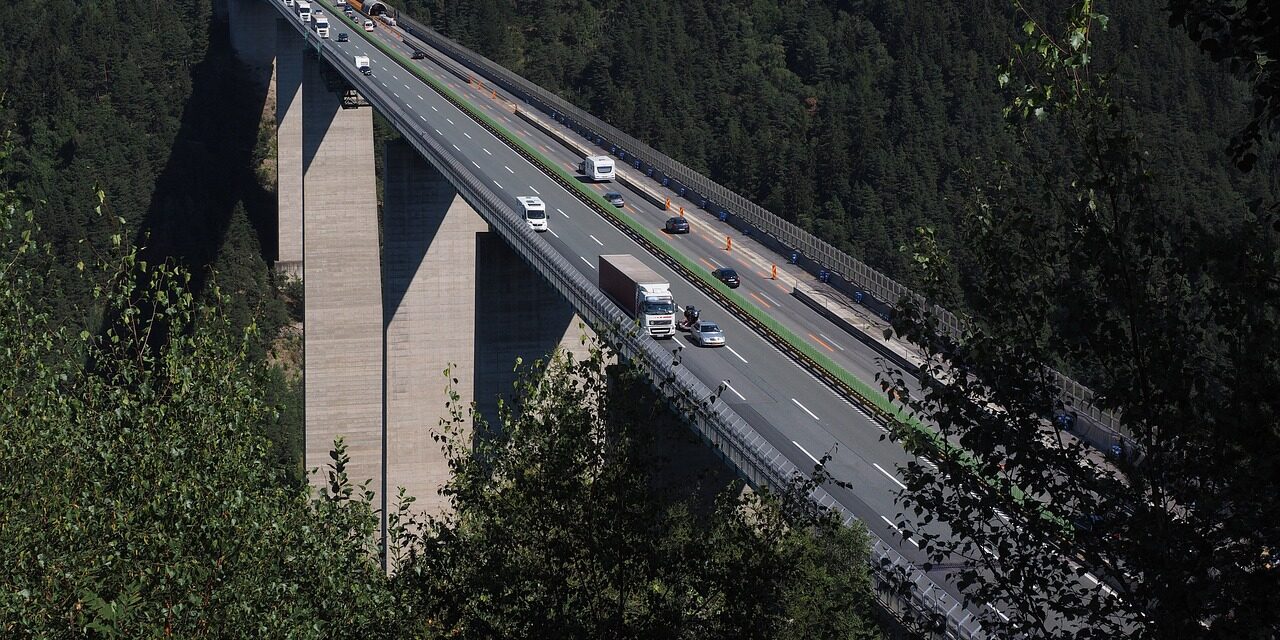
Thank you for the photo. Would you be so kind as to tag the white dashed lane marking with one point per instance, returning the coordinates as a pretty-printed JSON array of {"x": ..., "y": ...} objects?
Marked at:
[
  {"x": 806, "y": 409},
  {"x": 735, "y": 391},
  {"x": 805, "y": 451},
  {"x": 889, "y": 475}
]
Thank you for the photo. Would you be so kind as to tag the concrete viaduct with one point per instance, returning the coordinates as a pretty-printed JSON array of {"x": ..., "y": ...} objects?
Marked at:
[{"x": 390, "y": 303}]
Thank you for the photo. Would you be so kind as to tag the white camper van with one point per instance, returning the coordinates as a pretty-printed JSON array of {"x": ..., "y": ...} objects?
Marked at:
[{"x": 535, "y": 212}]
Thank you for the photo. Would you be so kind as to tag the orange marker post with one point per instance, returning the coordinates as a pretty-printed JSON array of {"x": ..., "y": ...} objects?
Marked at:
[
  {"x": 681, "y": 212},
  {"x": 774, "y": 272},
  {"x": 728, "y": 243},
  {"x": 495, "y": 93},
  {"x": 667, "y": 206}
]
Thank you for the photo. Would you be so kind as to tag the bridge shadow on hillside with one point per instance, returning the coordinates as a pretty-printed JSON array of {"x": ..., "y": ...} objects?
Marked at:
[{"x": 211, "y": 168}]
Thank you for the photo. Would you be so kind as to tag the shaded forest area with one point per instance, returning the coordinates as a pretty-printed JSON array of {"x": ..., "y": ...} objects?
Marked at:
[
  {"x": 146, "y": 104},
  {"x": 859, "y": 121}
]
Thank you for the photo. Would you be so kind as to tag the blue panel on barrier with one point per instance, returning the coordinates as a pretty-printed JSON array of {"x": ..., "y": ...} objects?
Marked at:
[
  {"x": 724, "y": 215},
  {"x": 795, "y": 257},
  {"x": 665, "y": 180}
]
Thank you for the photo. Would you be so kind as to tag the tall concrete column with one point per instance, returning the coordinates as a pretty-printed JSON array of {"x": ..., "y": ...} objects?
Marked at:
[
  {"x": 342, "y": 335},
  {"x": 429, "y": 264},
  {"x": 289, "y": 148}
]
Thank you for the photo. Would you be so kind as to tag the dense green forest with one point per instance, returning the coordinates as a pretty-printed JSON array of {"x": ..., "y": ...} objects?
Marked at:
[{"x": 147, "y": 105}]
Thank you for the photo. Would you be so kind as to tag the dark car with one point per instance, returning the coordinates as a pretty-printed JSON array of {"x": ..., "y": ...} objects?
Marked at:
[
  {"x": 677, "y": 224},
  {"x": 614, "y": 198},
  {"x": 342, "y": 37},
  {"x": 727, "y": 276},
  {"x": 418, "y": 55}
]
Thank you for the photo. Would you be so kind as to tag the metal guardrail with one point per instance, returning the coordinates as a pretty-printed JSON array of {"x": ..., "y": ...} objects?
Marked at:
[
  {"x": 737, "y": 441},
  {"x": 723, "y": 201}
]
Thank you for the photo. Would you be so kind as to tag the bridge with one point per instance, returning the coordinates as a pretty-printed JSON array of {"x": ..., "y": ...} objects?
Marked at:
[{"x": 454, "y": 275}]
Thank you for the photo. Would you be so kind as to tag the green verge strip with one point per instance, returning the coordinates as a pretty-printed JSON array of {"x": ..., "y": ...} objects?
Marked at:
[{"x": 808, "y": 355}]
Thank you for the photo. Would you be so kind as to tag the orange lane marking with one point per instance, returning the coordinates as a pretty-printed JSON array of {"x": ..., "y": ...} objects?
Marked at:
[
  {"x": 704, "y": 261},
  {"x": 628, "y": 208},
  {"x": 760, "y": 300},
  {"x": 544, "y": 148},
  {"x": 784, "y": 287},
  {"x": 815, "y": 339}
]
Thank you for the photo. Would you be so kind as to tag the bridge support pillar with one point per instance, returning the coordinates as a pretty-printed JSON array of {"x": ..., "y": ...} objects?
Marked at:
[
  {"x": 342, "y": 334},
  {"x": 429, "y": 275},
  {"x": 289, "y": 170}
]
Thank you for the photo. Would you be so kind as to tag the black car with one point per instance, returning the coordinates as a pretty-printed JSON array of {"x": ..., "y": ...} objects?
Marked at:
[
  {"x": 676, "y": 224},
  {"x": 727, "y": 276},
  {"x": 342, "y": 37},
  {"x": 614, "y": 198},
  {"x": 418, "y": 55}
]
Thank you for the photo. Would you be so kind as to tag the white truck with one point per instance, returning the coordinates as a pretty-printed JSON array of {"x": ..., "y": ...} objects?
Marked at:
[
  {"x": 597, "y": 168},
  {"x": 640, "y": 291},
  {"x": 303, "y": 9},
  {"x": 320, "y": 23},
  {"x": 362, "y": 65}
]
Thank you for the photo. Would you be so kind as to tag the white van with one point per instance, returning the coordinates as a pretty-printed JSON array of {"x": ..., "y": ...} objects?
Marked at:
[
  {"x": 368, "y": 25},
  {"x": 535, "y": 213}
]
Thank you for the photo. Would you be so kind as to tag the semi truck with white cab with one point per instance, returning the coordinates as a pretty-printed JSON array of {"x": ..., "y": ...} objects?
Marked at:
[
  {"x": 303, "y": 9},
  {"x": 640, "y": 291},
  {"x": 362, "y": 65},
  {"x": 320, "y": 23},
  {"x": 597, "y": 168}
]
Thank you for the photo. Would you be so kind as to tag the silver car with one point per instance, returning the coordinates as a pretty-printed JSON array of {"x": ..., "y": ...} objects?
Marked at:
[{"x": 707, "y": 334}]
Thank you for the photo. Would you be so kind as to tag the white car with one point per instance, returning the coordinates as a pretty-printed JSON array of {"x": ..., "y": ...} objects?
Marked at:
[
  {"x": 707, "y": 334},
  {"x": 535, "y": 212},
  {"x": 368, "y": 25}
]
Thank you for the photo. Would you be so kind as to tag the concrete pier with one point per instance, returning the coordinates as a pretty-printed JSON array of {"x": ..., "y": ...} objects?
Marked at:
[{"x": 342, "y": 335}]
